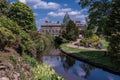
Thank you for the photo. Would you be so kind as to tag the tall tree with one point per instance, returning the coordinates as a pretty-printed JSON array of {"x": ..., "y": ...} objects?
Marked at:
[
  {"x": 3, "y": 7},
  {"x": 98, "y": 13},
  {"x": 105, "y": 14},
  {"x": 23, "y": 15},
  {"x": 113, "y": 28},
  {"x": 71, "y": 31}
]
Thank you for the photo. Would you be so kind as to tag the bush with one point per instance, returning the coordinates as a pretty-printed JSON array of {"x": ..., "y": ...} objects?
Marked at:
[
  {"x": 93, "y": 41},
  {"x": 6, "y": 37},
  {"x": 24, "y": 39}
]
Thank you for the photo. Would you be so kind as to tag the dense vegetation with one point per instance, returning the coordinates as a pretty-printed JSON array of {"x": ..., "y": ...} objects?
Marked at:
[
  {"x": 69, "y": 30},
  {"x": 104, "y": 18},
  {"x": 41, "y": 71},
  {"x": 19, "y": 34},
  {"x": 22, "y": 15}
]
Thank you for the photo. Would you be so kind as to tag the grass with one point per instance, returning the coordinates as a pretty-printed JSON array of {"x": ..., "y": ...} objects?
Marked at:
[
  {"x": 69, "y": 49},
  {"x": 96, "y": 57}
]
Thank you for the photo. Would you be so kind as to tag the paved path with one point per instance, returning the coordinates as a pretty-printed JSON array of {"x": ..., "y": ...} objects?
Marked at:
[{"x": 81, "y": 47}]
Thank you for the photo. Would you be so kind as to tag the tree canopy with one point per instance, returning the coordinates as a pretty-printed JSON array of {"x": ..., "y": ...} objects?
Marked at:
[
  {"x": 105, "y": 15},
  {"x": 71, "y": 31},
  {"x": 98, "y": 13},
  {"x": 3, "y": 7},
  {"x": 23, "y": 15}
]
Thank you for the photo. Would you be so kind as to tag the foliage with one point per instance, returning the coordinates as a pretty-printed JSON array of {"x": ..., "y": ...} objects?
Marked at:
[
  {"x": 23, "y": 15},
  {"x": 24, "y": 40},
  {"x": 71, "y": 32},
  {"x": 37, "y": 39},
  {"x": 105, "y": 15},
  {"x": 30, "y": 60},
  {"x": 114, "y": 45},
  {"x": 98, "y": 13},
  {"x": 41, "y": 71},
  {"x": 104, "y": 43},
  {"x": 93, "y": 41},
  {"x": 6, "y": 37},
  {"x": 113, "y": 28},
  {"x": 96, "y": 57},
  {"x": 3, "y": 7},
  {"x": 88, "y": 33}
]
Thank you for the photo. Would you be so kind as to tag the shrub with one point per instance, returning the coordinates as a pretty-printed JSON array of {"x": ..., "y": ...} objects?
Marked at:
[
  {"x": 6, "y": 37},
  {"x": 93, "y": 40},
  {"x": 24, "y": 39}
]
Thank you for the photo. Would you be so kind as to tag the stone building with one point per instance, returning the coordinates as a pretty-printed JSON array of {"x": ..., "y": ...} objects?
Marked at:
[
  {"x": 55, "y": 28},
  {"x": 50, "y": 28}
]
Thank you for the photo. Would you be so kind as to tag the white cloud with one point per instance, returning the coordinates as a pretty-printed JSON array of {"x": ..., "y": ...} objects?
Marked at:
[
  {"x": 56, "y": 14},
  {"x": 74, "y": 14},
  {"x": 40, "y": 4},
  {"x": 40, "y": 22},
  {"x": 45, "y": 5},
  {"x": 23, "y": 1},
  {"x": 61, "y": 12},
  {"x": 65, "y": 10}
]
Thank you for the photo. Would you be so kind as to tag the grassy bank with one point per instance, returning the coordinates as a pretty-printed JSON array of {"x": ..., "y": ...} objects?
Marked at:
[
  {"x": 96, "y": 58},
  {"x": 41, "y": 71}
]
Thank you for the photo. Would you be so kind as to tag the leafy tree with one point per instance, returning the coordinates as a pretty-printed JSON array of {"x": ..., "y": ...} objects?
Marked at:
[
  {"x": 6, "y": 37},
  {"x": 24, "y": 41},
  {"x": 98, "y": 13},
  {"x": 3, "y": 7},
  {"x": 23, "y": 15},
  {"x": 71, "y": 32},
  {"x": 37, "y": 39},
  {"x": 105, "y": 14},
  {"x": 113, "y": 28}
]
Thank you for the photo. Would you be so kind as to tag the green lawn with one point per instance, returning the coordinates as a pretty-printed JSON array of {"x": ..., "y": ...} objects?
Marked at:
[{"x": 96, "y": 57}]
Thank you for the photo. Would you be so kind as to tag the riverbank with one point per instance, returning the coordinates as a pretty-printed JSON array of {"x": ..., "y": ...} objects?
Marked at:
[
  {"x": 16, "y": 67},
  {"x": 93, "y": 57}
]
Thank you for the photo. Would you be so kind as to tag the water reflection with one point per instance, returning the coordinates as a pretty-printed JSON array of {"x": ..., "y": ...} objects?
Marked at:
[{"x": 72, "y": 69}]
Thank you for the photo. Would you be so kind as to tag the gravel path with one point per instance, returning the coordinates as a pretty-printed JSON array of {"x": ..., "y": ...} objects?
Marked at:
[{"x": 81, "y": 47}]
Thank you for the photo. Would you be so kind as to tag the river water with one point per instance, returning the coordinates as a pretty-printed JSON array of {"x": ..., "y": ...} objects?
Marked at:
[{"x": 72, "y": 69}]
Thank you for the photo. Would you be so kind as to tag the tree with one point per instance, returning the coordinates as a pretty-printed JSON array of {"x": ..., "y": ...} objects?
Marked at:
[
  {"x": 113, "y": 28},
  {"x": 98, "y": 13},
  {"x": 105, "y": 14},
  {"x": 24, "y": 42},
  {"x": 23, "y": 15},
  {"x": 3, "y": 7},
  {"x": 71, "y": 31}
]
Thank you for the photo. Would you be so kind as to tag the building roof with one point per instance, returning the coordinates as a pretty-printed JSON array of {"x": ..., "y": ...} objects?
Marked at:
[{"x": 51, "y": 25}]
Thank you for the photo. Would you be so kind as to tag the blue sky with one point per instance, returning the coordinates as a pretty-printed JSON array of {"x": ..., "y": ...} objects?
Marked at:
[{"x": 54, "y": 10}]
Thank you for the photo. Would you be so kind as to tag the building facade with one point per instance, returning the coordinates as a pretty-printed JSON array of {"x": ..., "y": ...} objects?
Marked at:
[
  {"x": 55, "y": 28},
  {"x": 51, "y": 28}
]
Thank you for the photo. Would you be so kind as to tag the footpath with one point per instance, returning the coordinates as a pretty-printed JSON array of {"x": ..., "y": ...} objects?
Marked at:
[{"x": 72, "y": 45}]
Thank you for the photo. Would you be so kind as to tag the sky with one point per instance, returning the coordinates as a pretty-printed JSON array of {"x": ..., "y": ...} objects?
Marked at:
[{"x": 54, "y": 10}]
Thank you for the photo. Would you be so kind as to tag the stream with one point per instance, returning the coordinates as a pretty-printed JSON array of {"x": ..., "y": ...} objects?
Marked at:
[{"x": 72, "y": 69}]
